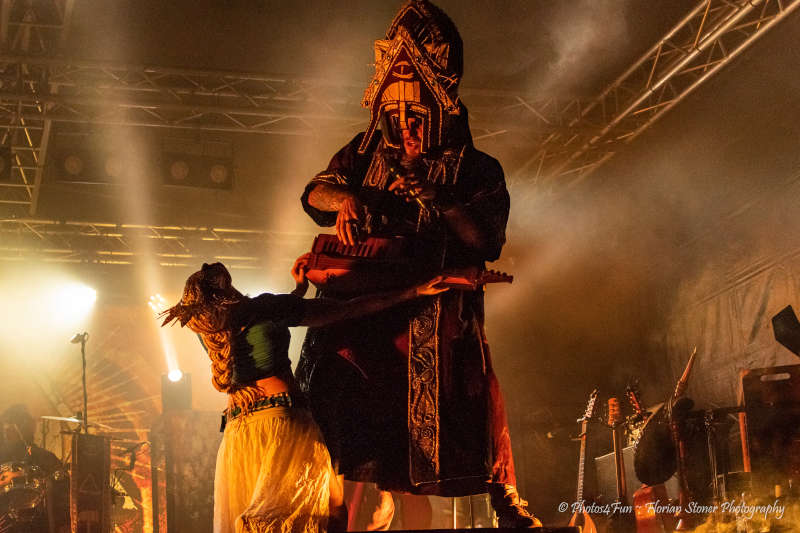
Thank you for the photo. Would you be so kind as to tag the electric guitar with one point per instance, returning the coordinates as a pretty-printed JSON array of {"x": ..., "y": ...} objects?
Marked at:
[{"x": 580, "y": 517}]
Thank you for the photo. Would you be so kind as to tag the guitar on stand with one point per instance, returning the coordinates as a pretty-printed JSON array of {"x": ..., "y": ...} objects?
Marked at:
[
  {"x": 647, "y": 497},
  {"x": 580, "y": 517},
  {"x": 622, "y": 520}
]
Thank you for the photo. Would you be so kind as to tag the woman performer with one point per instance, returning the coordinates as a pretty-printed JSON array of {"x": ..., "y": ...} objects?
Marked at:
[{"x": 273, "y": 470}]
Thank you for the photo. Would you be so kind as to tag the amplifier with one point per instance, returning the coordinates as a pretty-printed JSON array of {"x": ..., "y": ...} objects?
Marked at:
[
  {"x": 607, "y": 477},
  {"x": 770, "y": 423}
]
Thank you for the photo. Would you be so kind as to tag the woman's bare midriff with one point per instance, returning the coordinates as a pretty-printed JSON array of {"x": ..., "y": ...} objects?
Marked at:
[{"x": 277, "y": 384}]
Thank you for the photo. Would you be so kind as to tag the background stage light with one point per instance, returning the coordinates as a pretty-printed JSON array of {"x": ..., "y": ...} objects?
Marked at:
[
  {"x": 157, "y": 303},
  {"x": 74, "y": 298},
  {"x": 176, "y": 395},
  {"x": 43, "y": 299},
  {"x": 174, "y": 375}
]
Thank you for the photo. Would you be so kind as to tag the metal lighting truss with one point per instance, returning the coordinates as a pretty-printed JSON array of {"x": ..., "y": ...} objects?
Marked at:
[
  {"x": 38, "y": 88},
  {"x": 91, "y": 92},
  {"x": 81, "y": 91},
  {"x": 126, "y": 244},
  {"x": 28, "y": 29},
  {"x": 220, "y": 100},
  {"x": 707, "y": 39}
]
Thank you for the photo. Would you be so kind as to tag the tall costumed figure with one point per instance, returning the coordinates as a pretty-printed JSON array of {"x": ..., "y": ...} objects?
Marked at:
[{"x": 407, "y": 398}]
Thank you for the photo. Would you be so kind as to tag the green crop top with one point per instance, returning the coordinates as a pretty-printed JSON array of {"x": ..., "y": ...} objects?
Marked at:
[{"x": 260, "y": 342}]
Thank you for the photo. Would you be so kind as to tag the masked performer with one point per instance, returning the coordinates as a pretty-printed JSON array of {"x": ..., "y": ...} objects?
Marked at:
[
  {"x": 273, "y": 470},
  {"x": 417, "y": 407}
]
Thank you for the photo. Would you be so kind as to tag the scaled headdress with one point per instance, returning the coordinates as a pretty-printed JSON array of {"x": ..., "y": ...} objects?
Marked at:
[
  {"x": 418, "y": 67},
  {"x": 208, "y": 291}
]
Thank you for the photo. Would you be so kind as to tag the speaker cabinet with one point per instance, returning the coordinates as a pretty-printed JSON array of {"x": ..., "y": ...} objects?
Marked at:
[{"x": 90, "y": 490}]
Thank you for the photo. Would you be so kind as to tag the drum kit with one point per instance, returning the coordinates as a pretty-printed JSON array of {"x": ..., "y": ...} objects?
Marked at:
[
  {"x": 22, "y": 488},
  {"x": 35, "y": 498}
]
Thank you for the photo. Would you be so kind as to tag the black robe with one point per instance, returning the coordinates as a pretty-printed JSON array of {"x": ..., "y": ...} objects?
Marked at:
[{"x": 407, "y": 398}]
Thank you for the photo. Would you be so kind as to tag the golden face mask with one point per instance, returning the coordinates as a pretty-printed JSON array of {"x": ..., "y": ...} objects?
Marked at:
[{"x": 417, "y": 70}]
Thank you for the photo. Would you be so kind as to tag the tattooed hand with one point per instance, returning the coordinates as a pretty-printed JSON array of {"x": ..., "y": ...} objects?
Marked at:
[{"x": 349, "y": 220}]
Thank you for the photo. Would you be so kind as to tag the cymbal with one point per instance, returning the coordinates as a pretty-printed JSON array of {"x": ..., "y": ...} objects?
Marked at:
[{"x": 74, "y": 420}]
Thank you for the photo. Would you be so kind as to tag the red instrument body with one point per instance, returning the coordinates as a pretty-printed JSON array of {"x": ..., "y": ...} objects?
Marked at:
[
  {"x": 648, "y": 520},
  {"x": 381, "y": 264}
]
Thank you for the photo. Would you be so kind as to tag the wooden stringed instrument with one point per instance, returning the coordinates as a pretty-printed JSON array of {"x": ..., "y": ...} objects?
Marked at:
[
  {"x": 622, "y": 521},
  {"x": 633, "y": 398},
  {"x": 580, "y": 517},
  {"x": 647, "y": 497},
  {"x": 380, "y": 263}
]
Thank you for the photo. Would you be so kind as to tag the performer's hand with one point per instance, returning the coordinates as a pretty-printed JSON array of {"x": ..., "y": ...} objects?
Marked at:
[
  {"x": 411, "y": 188},
  {"x": 349, "y": 220},
  {"x": 299, "y": 274},
  {"x": 431, "y": 287}
]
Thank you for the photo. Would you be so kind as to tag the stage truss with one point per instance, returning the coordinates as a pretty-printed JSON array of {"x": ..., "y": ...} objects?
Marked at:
[
  {"x": 127, "y": 244},
  {"x": 709, "y": 37},
  {"x": 572, "y": 138}
]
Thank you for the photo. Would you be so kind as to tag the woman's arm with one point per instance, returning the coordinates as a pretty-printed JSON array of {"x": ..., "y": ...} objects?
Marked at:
[{"x": 324, "y": 311}]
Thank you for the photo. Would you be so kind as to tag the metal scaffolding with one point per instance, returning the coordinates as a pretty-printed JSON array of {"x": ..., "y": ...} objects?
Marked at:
[
  {"x": 28, "y": 29},
  {"x": 707, "y": 39},
  {"x": 126, "y": 244},
  {"x": 38, "y": 89},
  {"x": 69, "y": 92}
]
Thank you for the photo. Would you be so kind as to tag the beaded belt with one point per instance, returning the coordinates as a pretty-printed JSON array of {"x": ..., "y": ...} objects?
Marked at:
[{"x": 282, "y": 399}]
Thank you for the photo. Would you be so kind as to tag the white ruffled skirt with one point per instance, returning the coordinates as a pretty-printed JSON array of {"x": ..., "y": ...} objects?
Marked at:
[{"x": 273, "y": 474}]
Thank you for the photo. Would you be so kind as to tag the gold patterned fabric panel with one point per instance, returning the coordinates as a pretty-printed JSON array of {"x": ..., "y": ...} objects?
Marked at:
[
  {"x": 377, "y": 176},
  {"x": 444, "y": 171},
  {"x": 423, "y": 395},
  {"x": 441, "y": 171},
  {"x": 330, "y": 177}
]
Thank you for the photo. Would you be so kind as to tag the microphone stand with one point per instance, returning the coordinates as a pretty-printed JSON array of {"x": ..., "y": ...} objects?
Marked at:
[
  {"x": 85, "y": 394},
  {"x": 82, "y": 338}
]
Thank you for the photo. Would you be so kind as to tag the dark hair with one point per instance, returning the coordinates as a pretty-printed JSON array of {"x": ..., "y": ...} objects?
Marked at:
[{"x": 19, "y": 416}]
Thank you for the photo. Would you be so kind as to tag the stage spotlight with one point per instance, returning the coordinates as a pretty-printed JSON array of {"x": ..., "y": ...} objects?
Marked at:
[
  {"x": 179, "y": 171},
  {"x": 157, "y": 303},
  {"x": 787, "y": 329},
  {"x": 74, "y": 299},
  {"x": 219, "y": 174},
  {"x": 73, "y": 165},
  {"x": 176, "y": 395},
  {"x": 114, "y": 166}
]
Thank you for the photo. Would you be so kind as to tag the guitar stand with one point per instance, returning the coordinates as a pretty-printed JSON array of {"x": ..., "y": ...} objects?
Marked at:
[{"x": 719, "y": 480}]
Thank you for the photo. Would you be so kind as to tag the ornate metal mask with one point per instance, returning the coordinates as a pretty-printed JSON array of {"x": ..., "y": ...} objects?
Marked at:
[{"x": 417, "y": 70}]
